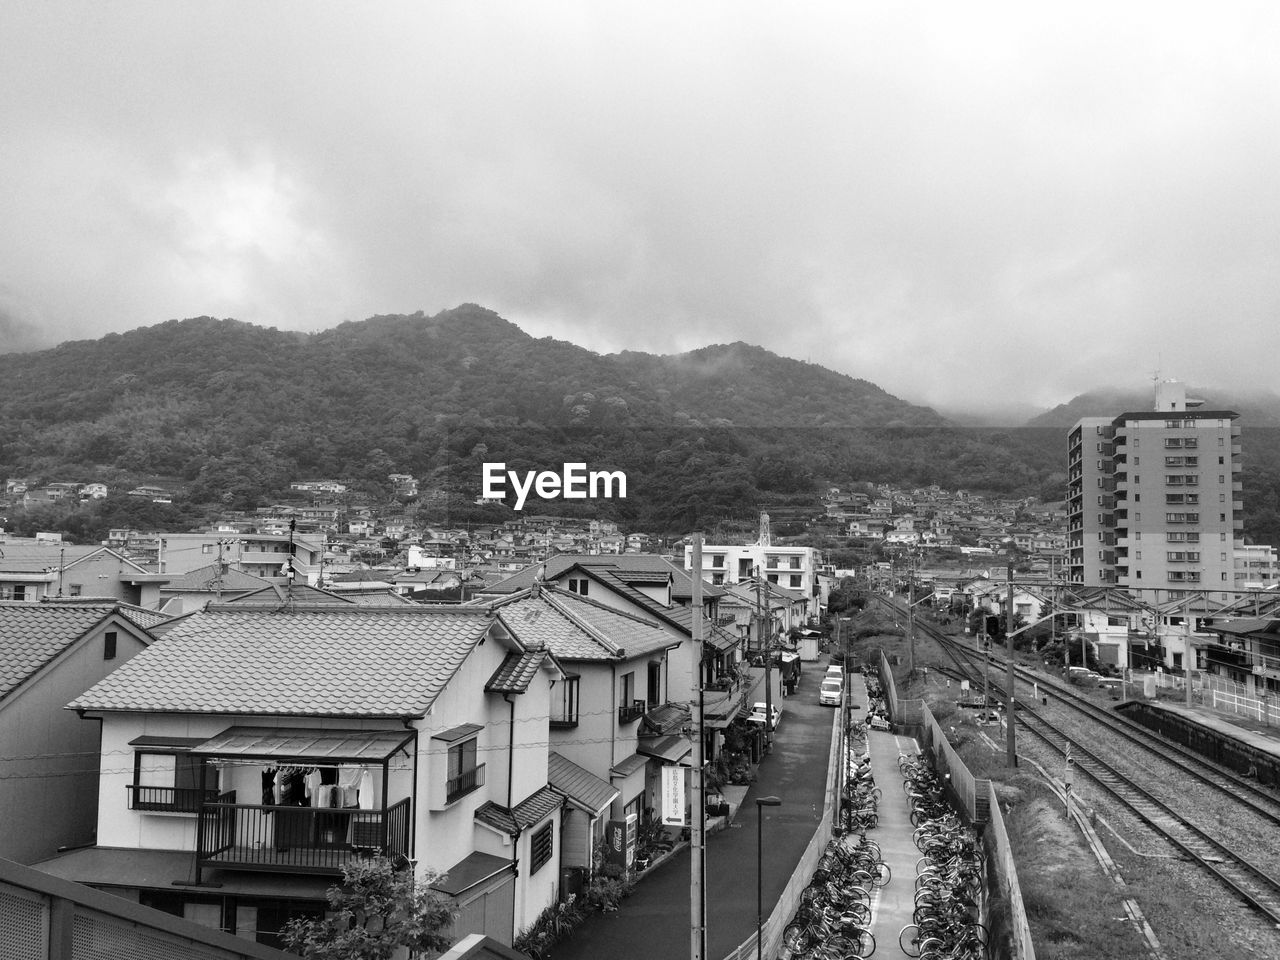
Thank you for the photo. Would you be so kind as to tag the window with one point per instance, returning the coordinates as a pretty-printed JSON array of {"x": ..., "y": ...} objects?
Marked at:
[
  {"x": 795, "y": 580},
  {"x": 74, "y": 590},
  {"x": 655, "y": 683},
  {"x": 109, "y": 645},
  {"x": 717, "y": 579},
  {"x": 16, "y": 592},
  {"x": 464, "y": 774},
  {"x": 717, "y": 560},
  {"x": 564, "y": 709},
  {"x": 206, "y": 548},
  {"x": 171, "y": 780},
  {"x": 1137, "y": 555},
  {"x": 629, "y": 708},
  {"x": 540, "y": 847},
  {"x": 795, "y": 563}
]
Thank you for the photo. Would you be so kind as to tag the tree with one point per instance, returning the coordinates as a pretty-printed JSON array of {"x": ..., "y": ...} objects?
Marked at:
[{"x": 377, "y": 911}]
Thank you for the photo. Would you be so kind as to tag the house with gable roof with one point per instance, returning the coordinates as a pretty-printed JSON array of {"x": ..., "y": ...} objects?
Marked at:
[
  {"x": 617, "y": 671},
  {"x": 652, "y": 586},
  {"x": 49, "y": 653},
  {"x": 257, "y": 747},
  {"x": 39, "y": 570}
]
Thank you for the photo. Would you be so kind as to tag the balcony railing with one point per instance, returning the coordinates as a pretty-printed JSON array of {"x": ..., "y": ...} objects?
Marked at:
[
  {"x": 296, "y": 839},
  {"x": 463, "y": 783},
  {"x": 175, "y": 799},
  {"x": 629, "y": 712}
]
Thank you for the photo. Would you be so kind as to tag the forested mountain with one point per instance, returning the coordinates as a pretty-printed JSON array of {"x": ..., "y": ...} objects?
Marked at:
[{"x": 231, "y": 412}]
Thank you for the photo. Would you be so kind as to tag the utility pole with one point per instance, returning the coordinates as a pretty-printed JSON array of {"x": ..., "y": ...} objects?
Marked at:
[
  {"x": 911, "y": 615},
  {"x": 1011, "y": 750},
  {"x": 1189, "y": 654},
  {"x": 766, "y": 628},
  {"x": 697, "y": 807}
]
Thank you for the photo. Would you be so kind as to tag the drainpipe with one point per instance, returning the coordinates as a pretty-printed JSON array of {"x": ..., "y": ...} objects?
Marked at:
[
  {"x": 515, "y": 848},
  {"x": 413, "y": 797}
]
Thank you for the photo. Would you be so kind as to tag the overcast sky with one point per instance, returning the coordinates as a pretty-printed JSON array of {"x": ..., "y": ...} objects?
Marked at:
[{"x": 968, "y": 204}]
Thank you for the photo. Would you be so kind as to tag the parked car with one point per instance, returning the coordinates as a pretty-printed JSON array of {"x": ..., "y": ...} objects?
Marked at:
[
  {"x": 759, "y": 712},
  {"x": 829, "y": 692}
]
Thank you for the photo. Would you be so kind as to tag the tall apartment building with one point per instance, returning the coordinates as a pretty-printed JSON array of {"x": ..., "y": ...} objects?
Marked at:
[{"x": 1153, "y": 499}]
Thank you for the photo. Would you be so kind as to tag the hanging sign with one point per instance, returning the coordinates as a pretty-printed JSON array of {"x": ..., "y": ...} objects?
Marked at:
[{"x": 673, "y": 802}]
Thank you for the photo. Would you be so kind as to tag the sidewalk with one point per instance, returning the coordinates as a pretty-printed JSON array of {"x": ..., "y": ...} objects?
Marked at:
[
  {"x": 892, "y": 904},
  {"x": 654, "y": 921}
]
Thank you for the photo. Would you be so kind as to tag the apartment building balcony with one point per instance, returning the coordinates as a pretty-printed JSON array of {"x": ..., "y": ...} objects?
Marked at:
[
  {"x": 631, "y": 712},
  {"x": 725, "y": 698},
  {"x": 290, "y": 839}
]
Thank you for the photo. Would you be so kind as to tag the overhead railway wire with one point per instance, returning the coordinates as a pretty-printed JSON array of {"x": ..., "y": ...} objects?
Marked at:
[{"x": 1239, "y": 873}]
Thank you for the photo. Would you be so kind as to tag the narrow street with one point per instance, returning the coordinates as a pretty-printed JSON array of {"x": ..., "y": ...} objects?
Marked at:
[{"x": 654, "y": 921}]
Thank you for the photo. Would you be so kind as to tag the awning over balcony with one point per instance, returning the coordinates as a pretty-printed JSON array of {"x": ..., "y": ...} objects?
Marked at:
[
  {"x": 297, "y": 743},
  {"x": 669, "y": 749}
]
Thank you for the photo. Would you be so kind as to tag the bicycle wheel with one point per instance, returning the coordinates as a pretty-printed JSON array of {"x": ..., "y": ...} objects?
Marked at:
[
  {"x": 840, "y": 946},
  {"x": 866, "y": 944},
  {"x": 795, "y": 936},
  {"x": 909, "y": 940}
]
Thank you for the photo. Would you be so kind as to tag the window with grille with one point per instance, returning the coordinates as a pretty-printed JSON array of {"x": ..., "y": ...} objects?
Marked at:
[{"x": 540, "y": 847}]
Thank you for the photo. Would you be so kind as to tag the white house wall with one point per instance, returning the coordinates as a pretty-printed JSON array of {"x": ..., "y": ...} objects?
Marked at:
[{"x": 51, "y": 800}]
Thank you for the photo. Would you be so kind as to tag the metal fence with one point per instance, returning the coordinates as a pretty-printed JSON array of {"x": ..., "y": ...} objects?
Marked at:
[
  {"x": 1260, "y": 710},
  {"x": 969, "y": 792},
  {"x": 48, "y": 918},
  {"x": 1000, "y": 855},
  {"x": 888, "y": 688}
]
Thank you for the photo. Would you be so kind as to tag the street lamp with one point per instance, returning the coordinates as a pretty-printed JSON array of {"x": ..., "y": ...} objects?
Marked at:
[{"x": 761, "y": 803}]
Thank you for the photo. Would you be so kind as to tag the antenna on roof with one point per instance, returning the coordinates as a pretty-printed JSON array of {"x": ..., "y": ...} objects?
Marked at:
[{"x": 289, "y": 572}]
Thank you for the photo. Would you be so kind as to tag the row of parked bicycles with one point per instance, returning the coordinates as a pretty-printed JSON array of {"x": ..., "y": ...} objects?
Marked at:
[
  {"x": 949, "y": 874},
  {"x": 833, "y": 918}
]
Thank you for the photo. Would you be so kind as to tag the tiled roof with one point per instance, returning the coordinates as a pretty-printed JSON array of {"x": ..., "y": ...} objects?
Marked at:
[
  {"x": 29, "y": 558},
  {"x": 275, "y": 595},
  {"x": 537, "y": 806},
  {"x": 635, "y": 636},
  {"x": 32, "y": 634},
  {"x": 529, "y": 811},
  {"x": 144, "y": 617},
  {"x": 496, "y": 816},
  {"x": 576, "y": 628},
  {"x": 206, "y": 579},
  {"x": 639, "y": 565},
  {"x": 580, "y": 785},
  {"x": 624, "y": 768},
  {"x": 539, "y": 623},
  {"x": 516, "y": 671},
  {"x": 306, "y": 661}
]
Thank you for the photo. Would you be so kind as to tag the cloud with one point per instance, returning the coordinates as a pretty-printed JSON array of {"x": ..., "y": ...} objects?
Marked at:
[{"x": 968, "y": 205}]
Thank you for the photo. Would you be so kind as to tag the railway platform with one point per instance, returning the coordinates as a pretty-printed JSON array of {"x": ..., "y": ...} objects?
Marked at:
[
  {"x": 892, "y": 904},
  {"x": 1259, "y": 740}
]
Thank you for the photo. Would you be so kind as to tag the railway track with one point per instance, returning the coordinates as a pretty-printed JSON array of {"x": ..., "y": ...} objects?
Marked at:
[
  {"x": 1236, "y": 788},
  {"x": 1236, "y": 871}
]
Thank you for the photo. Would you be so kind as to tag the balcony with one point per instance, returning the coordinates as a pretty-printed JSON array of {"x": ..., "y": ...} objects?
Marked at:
[
  {"x": 631, "y": 712},
  {"x": 455, "y": 788},
  {"x": 168, "y": 799},
  {"x": 287, "y": 839}
]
